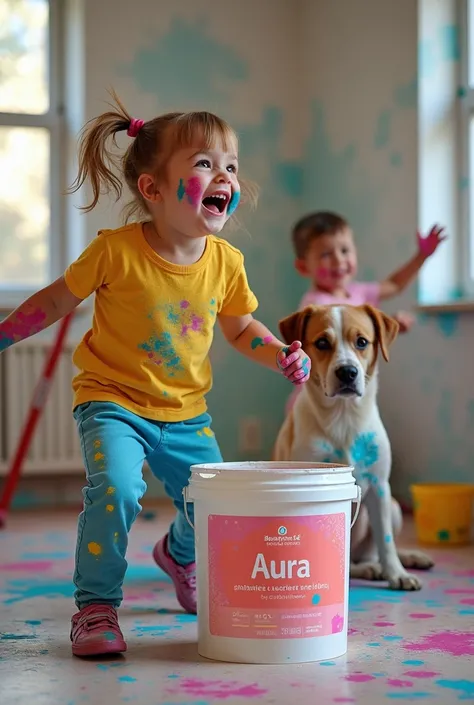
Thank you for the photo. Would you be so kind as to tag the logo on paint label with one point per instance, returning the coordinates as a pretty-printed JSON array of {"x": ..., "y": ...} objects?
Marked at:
[{"x": 282, "y": 530}]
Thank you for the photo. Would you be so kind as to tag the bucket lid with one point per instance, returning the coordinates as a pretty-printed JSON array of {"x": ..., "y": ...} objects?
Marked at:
[{"x": 271, "y": 466}]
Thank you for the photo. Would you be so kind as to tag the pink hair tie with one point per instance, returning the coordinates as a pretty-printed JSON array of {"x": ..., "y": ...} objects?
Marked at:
[{"x": 135, "y": 127}]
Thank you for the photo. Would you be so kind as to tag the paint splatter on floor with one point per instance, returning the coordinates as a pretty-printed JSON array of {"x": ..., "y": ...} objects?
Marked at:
[{"x": 407, "y": 647}]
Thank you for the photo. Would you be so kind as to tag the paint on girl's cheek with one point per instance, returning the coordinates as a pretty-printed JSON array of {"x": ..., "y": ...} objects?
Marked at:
[
  {"x": 181, "y": 190},
  {"x": 194, "y": 190},
  {"x": 233, "y": 203}
]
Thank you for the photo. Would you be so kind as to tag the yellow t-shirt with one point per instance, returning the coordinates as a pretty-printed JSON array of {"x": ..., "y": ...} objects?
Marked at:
[{"x": 153, "y": 323}]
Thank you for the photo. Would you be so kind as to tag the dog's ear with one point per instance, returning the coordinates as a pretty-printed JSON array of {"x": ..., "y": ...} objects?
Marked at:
[
  {"x": 386, "y": 328},
  {"x": 294, "y": 327}
]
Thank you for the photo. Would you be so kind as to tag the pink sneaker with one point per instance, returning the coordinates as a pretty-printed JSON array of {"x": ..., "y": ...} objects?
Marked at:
[
  {"x": 183, "y": 577},
  {"x": 95, "y": 631}
]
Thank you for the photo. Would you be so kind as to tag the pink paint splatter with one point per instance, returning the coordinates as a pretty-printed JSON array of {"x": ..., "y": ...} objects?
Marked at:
[
  {"x": 23, "y": 325},
  {"x": 221, "y": 690},
  {"x": 464, "y": 574},
  {"x": 337, "y": 624},
  {"x": 184, "y": 304},
  {"x": 421, "y": 615},
  {"x": 466, "y": 591},
  {"x": 196, "y": 323},
  {"x": 27, "y": 567},
  {"x": 360, "y": 678},
  {"x": 267, "y": 339},
  {"x": 421, "y": 674},
  {"x": 351, "y": 631},
  {"x": 454, "y": 643},
  {"x": 468, "y": 601},
  {"x": 384, "y": 624},
  {"x": 194, "y": 190},
  {"x": 396, "y": 683}
]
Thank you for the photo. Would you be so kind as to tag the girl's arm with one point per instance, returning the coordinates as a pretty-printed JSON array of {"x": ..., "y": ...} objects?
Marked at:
[
  {"x": 401, "y": 278},
  {"x": 37, "y": 313},
  {"x": 255, "y": 341}
]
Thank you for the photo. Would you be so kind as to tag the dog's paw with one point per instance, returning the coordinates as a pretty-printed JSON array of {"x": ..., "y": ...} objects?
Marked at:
[
  {"x": 366, "y": 571},
  {"x": 403, "y": 581},
  {"x": 415, "y": 559}
]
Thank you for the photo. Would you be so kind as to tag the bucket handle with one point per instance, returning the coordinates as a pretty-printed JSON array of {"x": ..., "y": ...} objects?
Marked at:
[
  {"x": 357, "y": 500},
  {"x": 186, "y": 500}
]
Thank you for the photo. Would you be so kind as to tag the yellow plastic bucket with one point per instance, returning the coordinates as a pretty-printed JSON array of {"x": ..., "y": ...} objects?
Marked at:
[{"x": 443, "y": 513}]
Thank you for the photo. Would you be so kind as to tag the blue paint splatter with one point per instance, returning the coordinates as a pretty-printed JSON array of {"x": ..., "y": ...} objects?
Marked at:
[
  {"x": 447, "y": 323},
  {"x": 55, "y": 556},
  {"x": 33, "y": 622},
  {"x": 373, "y": 643},
  {"x": 5, "y": 342},
  {"x": 391, "y": 637},
  {"x": 30, "y": 589},
  {"x": 290, "y": 175},
  {"x": 16, "y": 637},
  {"x": 327, "y": 663},
  {"x": 413, "y": 662},
  {"x": 464, "y": 686},
  {"x": 306, "y": 367},
  {"x": 382, "y": 130},
  {"x": 316, "y": 599},
  {"x": 406, "y": 95},
  {"x": 411, "y": 695},
  {"x": 451, "y": 48},
  {"x": 364, "y": 450},
  {"x": 167, "y": 67},
  {"x": 233, "y": 203},
  {"x": 181, "y": 190},
  {"x": 161, "y": 347},
  {"x": 396, "y": 159},
  {"x": 388, "y": 538},
  {"x": 426, "y": 59},
  {"x": 127, "y": 679}
]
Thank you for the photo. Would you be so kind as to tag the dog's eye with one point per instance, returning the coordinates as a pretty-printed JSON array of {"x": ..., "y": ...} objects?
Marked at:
[
  {"x": 361, "y": 343},
  {"x": 322, "y": 344}
]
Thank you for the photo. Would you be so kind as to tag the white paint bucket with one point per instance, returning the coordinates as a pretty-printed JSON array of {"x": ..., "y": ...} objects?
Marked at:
[{"x": 272, "y": 552}]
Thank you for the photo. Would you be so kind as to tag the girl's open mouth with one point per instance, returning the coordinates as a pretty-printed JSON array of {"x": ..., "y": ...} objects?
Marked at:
[{"x": 217, "y": 203}]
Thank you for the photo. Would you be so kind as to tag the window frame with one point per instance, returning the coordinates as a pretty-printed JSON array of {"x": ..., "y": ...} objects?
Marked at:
[
  {"x": 53, "y": 121},
  {"x": 466, "y": 148}
]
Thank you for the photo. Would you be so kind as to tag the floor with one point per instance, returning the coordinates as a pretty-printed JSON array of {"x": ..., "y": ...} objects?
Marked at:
[{"x": 405, "y": 647}]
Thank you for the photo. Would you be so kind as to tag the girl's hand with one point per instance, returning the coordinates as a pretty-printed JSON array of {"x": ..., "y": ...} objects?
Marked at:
[
  {"x": 294, "y": 363},
  {"x": 405, "y": 320},
  {"x": 429, "y": 244}
]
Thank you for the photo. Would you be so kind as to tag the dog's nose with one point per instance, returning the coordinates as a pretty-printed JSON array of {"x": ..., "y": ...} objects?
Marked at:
[{"x": 347, "y": 373}]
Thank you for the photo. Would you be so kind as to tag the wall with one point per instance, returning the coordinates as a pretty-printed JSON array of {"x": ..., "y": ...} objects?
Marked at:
[
  {"x": 361, "y": 64},
  {"x": 325, "y": 96}
]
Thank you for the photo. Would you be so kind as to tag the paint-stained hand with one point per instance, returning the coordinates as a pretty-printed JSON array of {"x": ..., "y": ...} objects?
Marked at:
[
  {"x": 429, "y": 244},
  {"x": 405, "y": 320},
  {"x": 294, "y": 363}
]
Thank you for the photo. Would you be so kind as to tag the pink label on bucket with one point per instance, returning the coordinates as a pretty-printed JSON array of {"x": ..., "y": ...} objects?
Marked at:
[{"x": 277, "y": 577}]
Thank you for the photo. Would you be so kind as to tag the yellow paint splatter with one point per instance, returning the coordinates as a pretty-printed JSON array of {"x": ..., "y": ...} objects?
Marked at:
[
  {"x": 208, "y": 432},
  {"x": 199, "y": 433},
  {"x": 97, "y": 444},
  {"x": 110, "y": 490},
  {"x": 110, "y": 507},
  {"x": 94, "y": 548},
  {"x": 116, "y": 537},
  {"x": 98, "y": 456}
]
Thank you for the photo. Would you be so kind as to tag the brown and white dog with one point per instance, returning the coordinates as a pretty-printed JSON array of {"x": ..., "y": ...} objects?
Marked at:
[{"x": 336, "y": 419}]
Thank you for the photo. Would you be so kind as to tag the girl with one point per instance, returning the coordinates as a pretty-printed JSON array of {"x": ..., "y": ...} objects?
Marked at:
[{"x": 160, "y": 284}]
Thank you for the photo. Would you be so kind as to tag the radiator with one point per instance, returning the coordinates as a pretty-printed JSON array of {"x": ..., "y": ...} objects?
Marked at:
[{"x": 55, "y": 446}]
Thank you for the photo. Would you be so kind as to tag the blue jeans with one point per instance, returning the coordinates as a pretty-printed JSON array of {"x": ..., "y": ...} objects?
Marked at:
[{"x": 115, "y": 443}]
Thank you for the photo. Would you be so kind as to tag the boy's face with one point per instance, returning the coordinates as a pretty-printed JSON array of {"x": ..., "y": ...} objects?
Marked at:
[{"x": 331, "y": 260}]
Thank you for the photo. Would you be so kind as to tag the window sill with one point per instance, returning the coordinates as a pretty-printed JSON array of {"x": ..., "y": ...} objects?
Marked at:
[{"x": 446, "y": 307}]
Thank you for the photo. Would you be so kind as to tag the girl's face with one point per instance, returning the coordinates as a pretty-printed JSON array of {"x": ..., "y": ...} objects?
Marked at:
[{"x": 201, "y": 190}]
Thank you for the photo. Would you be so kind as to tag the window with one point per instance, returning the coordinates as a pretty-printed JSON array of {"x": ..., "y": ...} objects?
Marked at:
[
  {"x": 30, "y": 149},
  {"x": 466, "y": 24}
]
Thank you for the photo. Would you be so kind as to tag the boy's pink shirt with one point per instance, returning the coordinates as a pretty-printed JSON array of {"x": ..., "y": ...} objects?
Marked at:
[{"x": 359, "y": 293}]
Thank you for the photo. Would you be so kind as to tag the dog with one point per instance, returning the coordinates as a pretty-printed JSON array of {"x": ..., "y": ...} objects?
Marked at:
[{"x": 335, "y": 419}]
